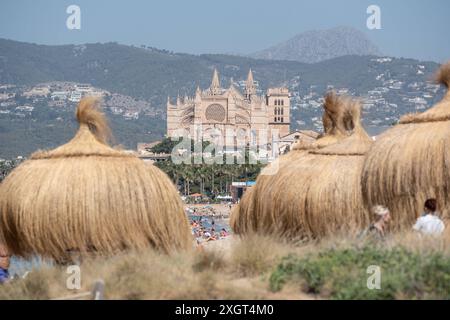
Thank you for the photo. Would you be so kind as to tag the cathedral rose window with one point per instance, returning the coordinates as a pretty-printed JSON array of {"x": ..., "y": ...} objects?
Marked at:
[{"x": 215, "y": 112}]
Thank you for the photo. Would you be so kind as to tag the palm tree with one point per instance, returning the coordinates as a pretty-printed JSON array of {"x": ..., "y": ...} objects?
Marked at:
[{"x": 212, "y": 175}]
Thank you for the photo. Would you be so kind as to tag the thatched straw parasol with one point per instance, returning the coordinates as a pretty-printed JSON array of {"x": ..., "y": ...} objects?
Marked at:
[
  {"x": 85, "y": 196},
  {"x": 315, "y": 190},
  {"x": 411, "y": 162}
]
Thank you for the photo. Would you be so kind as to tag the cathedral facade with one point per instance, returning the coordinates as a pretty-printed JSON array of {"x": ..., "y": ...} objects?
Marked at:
[{"x": 228, "y": 115}]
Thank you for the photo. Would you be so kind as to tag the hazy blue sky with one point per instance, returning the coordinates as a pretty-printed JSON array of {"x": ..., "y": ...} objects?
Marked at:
[{"x": 410, "y": 28}]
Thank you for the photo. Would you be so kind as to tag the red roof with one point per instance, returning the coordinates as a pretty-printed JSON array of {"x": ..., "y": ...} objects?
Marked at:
[{"x": 196, "y": 195}]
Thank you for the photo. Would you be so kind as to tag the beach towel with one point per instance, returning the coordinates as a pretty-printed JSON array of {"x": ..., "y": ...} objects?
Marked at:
[{"x": 4, "y": 275}]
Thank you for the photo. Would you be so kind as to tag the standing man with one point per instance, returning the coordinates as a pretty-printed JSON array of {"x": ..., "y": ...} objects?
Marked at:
[{"x": 429, "y": 223}]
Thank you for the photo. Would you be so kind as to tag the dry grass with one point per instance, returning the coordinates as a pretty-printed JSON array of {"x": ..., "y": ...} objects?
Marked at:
[
  {"x": 421, "y": 244},
  {"x": 36, "y": 286},
  {"x": 256, "y": 254},
  {"x": 243, "y": 273},
  {"x": 86, "y": 196},
  {"x": 410, "y": 163},
  {"x": 199, "y": 274}
]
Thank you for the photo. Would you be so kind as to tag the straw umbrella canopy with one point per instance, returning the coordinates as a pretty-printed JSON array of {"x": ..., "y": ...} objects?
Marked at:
[
  {"x": 244, "y": 217},
  {"x": 85, "y": 196},
  {"x": 315, "y": 190},
  {"x": 410, "y": 162}
]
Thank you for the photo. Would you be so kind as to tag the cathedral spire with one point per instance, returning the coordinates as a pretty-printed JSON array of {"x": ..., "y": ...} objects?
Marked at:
[
  {"x": 250, "y": 77},
  {"x": 198, "y": 95},
  {"x": 250, "y": 88},
  {"x": 215, "y": 83}
]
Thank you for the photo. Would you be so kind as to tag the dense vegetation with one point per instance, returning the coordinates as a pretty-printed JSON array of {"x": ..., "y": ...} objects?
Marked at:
[
  {"x": 342, "y": 273},
  {"x": 195, "y": 175},
  {"x": 6, "y": 166},
  {"x": 47, "y": 128},
  {"x": 211, "y": 180}
]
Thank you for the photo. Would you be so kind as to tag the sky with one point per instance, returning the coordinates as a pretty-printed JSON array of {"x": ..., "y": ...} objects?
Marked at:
[{"x": 409, "y": 28}]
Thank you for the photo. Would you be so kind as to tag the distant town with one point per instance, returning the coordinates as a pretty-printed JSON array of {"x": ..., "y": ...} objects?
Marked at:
[
  {"x": 19, "y": 101},
  {"x": 382, "y": 105}
]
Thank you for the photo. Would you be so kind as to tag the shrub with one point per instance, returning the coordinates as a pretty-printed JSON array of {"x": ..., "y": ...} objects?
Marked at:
[{"x": 342, "y": 273}]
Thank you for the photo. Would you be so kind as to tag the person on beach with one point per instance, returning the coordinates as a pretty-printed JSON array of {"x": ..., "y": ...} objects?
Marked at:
[
  {"x": 223, "y": 233},
  {"x": 429, "y": 223},
  {"x": 198, "y": 236},
  {"x": 377, "y": 229},
  {"x": 4, "y": 264},
  {"x": 211, "y": 236}
]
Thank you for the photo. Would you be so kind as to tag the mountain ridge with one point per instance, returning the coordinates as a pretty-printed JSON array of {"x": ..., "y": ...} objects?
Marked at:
[{"x": 314, "y": 46}]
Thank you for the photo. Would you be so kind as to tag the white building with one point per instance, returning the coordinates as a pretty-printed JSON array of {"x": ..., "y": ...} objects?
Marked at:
[
  {"x": 75, "y": 96},
  {"x": 84, "y": 88},
  {"x": 60, "y": 95},
  {"x": 25, "y": 108},
  {"x": 37, "y": 92}
]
